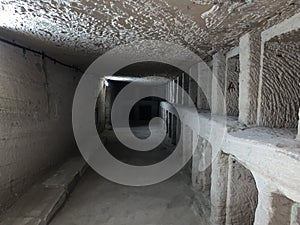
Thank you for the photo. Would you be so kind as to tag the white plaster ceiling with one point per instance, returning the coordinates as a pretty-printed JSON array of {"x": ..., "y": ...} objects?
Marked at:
[{"x": 76, "y": 32}]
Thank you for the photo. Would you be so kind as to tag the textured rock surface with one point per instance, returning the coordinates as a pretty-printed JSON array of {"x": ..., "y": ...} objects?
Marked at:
[
  {"x": 271, "y": 155},
  {"x": 35, "y": 117},
  {"x": 79, "y": 31},
  {"x": 232, "y": 86},
  {"x": 281, "y": 207},
  {"x": 242, "y": 194},
  {"x": 280, "y": 81}
]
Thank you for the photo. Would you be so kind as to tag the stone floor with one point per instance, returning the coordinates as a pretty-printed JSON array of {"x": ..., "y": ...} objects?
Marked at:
[{"x": 96, "y": 200}]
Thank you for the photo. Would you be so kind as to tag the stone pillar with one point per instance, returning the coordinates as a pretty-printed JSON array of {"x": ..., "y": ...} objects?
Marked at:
[
  {"x": 174, "y": 129},
  {"x": 108, "y": 105},
  {"x": 263, "y": 212},
  {"x": 101, "y": 106},
  {"x": 187, "y": 141},
  {"x": 186, "y": 88},
  {"x": 173, "y": 91},
  {"x": 218, "y": 82},
  {"x": 167, "y": 92},
  {"x": 170, "y": 124},
  {"x": 201, "y": 165},
  {"x": 170, "y": 91},
  {"x": 180, "y": 92},
  {"x": 204, "y": 88},
  {"x": 178, "y": 128},
  {"x": 242, "y": 194},
  {"x": 295, "y": 216},
  {"x": 249, "y": 48},
  {"x": 219, "y": 175},
  {"x": 176, "y": 91}
]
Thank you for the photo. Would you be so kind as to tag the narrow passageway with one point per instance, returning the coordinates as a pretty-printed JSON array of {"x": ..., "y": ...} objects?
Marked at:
[
  {"x": 101, "y": 98},
  {"x": 96, "y": 200},
  {"x": 135, "y": 157}
]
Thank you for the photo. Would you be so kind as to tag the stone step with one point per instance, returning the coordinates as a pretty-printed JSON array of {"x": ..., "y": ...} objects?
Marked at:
[
  {"x": 67, "y": 175},
  {"x": 22, "y": 221},
  {"x": 39, "y": 205}
]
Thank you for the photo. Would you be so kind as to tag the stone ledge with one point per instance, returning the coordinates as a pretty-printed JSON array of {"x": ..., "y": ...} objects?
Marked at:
[
  {"x": 67, "y": 175},
  {"x": 259, "y": 149},
  {"x": 22, "y": 221},
  {"x": 39, "y": 205}
]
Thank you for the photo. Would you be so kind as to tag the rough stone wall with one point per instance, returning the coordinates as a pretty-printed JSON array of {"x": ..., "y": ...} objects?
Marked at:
[
  {"x": 282, "y": 207},
  {"x": 280, "y": 98},
  {"x": 232, "y": 86},
  {"x": 242, "y": 195},
  {"x": 35, "y": 118}
]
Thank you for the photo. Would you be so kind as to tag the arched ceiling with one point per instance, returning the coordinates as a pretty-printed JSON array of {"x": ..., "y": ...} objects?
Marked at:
[{"x": 76, "y": 32}]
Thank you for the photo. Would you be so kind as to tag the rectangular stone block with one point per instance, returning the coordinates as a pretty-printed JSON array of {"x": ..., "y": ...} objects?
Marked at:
[
  {"x": 67, "y": 175},
  {"x": 40, "y": 203},
  {"x": 21, "y": 221}
]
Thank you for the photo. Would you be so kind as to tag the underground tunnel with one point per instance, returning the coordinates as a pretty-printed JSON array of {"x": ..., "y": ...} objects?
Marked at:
[{"x": 151, "y": 112}]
